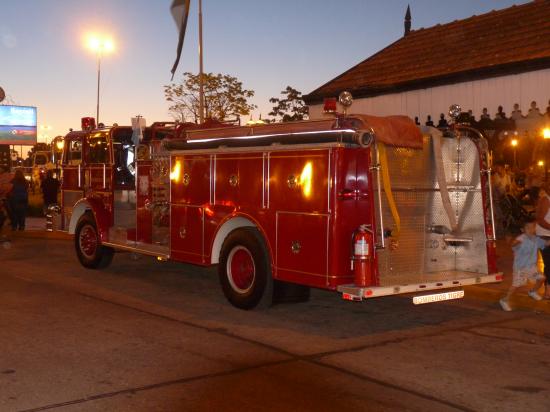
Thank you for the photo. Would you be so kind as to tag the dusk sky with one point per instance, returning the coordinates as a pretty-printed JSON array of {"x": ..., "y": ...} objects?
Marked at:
[{"x": 266, "y": 44}]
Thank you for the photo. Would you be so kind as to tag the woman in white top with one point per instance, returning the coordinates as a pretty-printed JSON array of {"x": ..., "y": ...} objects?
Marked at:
[{"x": 543, "y": 230}]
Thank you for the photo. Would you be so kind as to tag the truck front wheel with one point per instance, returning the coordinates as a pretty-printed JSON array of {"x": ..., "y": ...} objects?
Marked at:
[
  {"x": 244, "y": 269},
  {"x": 91, "y": 253}
]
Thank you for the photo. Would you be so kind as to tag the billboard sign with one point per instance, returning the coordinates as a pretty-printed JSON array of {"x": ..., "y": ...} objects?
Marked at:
[{"x": 18, "y": 125}]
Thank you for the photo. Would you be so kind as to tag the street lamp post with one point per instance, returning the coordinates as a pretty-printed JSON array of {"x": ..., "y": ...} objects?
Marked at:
[
  {"x": 514, "y": 144},
  {"x": 45, "y": 130},
  {"x": 99, "y": 45}
]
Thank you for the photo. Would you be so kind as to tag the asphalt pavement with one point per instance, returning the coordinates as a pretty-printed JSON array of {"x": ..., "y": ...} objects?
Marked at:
[
  {"x": 36, "y": 227},
  {"x": 144, "y": 335}
]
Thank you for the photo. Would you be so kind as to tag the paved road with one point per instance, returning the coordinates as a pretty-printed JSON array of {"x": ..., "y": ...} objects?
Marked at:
[{"x": 146, "y": 335}]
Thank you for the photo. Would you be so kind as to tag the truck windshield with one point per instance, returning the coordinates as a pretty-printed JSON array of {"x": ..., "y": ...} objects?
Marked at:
[
  {"x": 40, "y": 159},
  {"x": 98, "y": 149}
]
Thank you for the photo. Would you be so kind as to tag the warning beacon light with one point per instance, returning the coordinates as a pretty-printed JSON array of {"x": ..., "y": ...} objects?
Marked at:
[
  {"x": 87, "y": 123},
  {"x": 329, "y": 105}
]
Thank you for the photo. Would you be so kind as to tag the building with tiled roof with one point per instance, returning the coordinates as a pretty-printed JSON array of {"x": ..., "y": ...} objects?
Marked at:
[{"x": 498, "y": 58}]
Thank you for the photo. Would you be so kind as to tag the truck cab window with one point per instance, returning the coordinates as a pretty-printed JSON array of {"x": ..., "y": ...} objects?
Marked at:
[
  {"x": 73, "y": 152},
  {"x": 123, "y": 150},
  {"x": 98, "y": 149}
]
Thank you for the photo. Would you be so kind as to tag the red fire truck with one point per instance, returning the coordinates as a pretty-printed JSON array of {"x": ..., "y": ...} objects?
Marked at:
[{"x": 362, "y": 205}]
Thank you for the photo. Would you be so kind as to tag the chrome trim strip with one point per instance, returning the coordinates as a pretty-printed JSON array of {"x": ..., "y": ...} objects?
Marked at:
[
  {"x": 79, "y": 176},
  {"x": 275, "y": 148},
  {"x": 381, "y": 214},
  {"x": 128, "y": 248},
  {"x": 304, "y": 213},
  {"x": 327, "y": 221},
  {"x": 259, "y": 136},
  {"x": 215, "y": 177},
  {"x": 263, "y": 180},
  {"x": 211, "y": 196},
  {"x": 136, "y": 195},
  {"x": 268, "y": 178},
  {"x": 329, "y": 180},
  {"x": 276, "y": 244}
]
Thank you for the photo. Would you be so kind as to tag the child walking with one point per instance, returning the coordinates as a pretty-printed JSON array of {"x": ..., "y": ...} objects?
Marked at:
[{"x": 525, "y": 248}]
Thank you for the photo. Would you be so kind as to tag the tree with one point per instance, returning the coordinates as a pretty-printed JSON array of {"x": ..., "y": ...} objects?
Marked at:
[
  {"x": 224, "y": 97},
  {"x": 291, "y": 107}
]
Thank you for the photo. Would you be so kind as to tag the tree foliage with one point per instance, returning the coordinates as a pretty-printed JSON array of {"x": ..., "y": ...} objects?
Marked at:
[
  {"x": 224, "y": 97},
  {"x": 290, "y": 107}
]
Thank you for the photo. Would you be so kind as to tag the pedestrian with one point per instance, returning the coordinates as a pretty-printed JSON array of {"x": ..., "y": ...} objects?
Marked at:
[
  {"x": 429, "y": 121},
  {"x": 526, "y": 247},
  {"x": 500, "y": 115},
  {"x": 543, "y": 230},
  {"x": 18, "y": 201},
  {"x": 50, "y": 188},
  {"x": 442, "y": 124},
  {"x": 5, "y": 188}
]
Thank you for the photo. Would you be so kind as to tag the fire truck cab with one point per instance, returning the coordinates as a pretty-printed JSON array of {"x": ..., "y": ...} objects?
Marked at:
[{"x": 363, "y": 205}]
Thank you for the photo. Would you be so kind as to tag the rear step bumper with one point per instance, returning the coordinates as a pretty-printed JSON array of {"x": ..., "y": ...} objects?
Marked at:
[{"x": 357, "y": 293}]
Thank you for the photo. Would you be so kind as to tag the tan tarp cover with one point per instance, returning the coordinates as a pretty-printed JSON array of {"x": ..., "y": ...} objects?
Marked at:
[{"x": 393, "y": 130}]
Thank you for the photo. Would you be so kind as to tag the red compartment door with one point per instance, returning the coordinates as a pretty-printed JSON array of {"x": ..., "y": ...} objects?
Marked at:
[{"x": 302, "y": 248}]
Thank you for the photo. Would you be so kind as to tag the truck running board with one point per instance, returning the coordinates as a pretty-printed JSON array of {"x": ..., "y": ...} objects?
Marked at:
[
  {"x": 160, "y": 252},
  {"x": 358, "y": 293}
]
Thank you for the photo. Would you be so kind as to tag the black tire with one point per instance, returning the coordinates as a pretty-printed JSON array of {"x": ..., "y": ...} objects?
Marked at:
[
  {"x": 89, "y": 250},
  {"x": 245, "y": 270}
]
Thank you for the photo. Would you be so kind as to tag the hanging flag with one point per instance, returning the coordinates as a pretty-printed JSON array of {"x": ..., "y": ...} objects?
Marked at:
[{"x": 180, "y": 12}]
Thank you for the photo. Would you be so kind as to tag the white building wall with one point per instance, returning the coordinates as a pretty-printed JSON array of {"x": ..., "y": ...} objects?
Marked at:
[{"x": 490, "y": 93}]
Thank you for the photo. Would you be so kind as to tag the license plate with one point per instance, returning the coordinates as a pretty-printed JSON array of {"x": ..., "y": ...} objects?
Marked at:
[{"x": 438, "y": 297}]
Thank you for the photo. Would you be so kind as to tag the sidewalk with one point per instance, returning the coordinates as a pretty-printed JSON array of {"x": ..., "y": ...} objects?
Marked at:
[{"x": 36, "y": 228}]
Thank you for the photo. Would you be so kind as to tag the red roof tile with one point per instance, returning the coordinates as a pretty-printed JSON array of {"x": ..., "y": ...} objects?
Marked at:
[{"x": 511, "y": 40}]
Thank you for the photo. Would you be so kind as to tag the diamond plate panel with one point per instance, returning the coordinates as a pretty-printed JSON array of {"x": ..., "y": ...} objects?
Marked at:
[{"x": 423, "y": 254}]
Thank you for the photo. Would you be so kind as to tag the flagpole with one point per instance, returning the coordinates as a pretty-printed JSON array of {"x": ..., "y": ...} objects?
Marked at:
[{"x": 201, "y": 80}]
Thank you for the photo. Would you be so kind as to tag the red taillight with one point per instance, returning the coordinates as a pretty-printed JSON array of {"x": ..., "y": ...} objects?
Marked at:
[
  {"x": 329, "y": 105},
  {"x": 349, "y": 296},
  {"x": 368, "y": 292}
]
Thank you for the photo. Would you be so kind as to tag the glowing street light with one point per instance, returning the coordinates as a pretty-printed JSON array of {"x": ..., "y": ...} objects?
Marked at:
[
  {"x": 514, "y": 144},
  {"x": 100, "y": 46},
  {"x": 545, "y": 135}
]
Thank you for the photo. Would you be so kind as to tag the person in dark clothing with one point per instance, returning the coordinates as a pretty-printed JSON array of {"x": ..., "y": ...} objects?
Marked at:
[
  {"x": 5, "y": 189},
  {"x": 18, "y": 201},
  {"x": 50, "y": 188},
  {"x": 429, "y": 121},
  {"x": 442, "y": 124},
  {"x": 500, "y": 114}
]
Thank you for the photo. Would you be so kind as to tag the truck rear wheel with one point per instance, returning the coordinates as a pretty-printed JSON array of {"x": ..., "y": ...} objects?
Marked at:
[
  {"x": 89, "y": 250},
  {"x": 245, "y": 270}
]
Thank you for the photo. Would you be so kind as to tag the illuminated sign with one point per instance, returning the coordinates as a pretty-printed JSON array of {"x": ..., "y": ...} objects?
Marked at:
[{"x": 18, "y": 125}]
